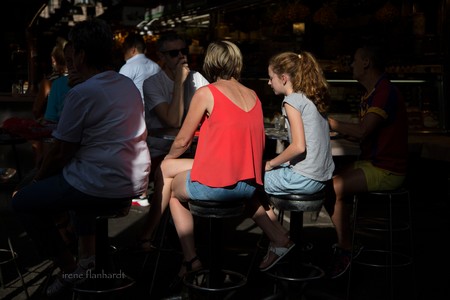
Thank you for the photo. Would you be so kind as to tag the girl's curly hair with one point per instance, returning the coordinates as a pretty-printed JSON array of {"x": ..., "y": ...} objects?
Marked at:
[{"x": 306, "y": 76}]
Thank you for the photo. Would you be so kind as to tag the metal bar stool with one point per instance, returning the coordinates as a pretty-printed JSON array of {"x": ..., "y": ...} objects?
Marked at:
[
  {"x": 296, "y": 269},
  {"x": 10, "y": 256},
  {"x": 215, "y": 282},
  {"x": 105, "y": 279},
  {"x": 388, "y": 223},
  {"x": 161, "y": 232}
]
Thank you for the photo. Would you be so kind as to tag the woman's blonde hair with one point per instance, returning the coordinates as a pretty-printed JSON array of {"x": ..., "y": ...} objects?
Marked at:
[
  {"x": 223, "y": 60},
  {"x": 306, "y": 76}
]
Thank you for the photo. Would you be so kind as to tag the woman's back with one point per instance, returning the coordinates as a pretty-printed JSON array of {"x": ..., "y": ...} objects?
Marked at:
[
  {"x": 232, "y": 138},
  {"x": 239, "y": 94}
]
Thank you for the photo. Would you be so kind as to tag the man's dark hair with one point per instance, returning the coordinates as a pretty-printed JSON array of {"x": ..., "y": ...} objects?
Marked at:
[
  {"x": 168, "y": 37},
  {"x": 95, "y": 38},
  {"x": 134, "y": 40},
  {"x": 375, "y": 50}
]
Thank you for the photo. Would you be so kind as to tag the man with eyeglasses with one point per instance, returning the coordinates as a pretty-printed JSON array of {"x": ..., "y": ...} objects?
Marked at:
[
  {"x": 168, "y": 93},
  {"x": 167, "y": 96}
]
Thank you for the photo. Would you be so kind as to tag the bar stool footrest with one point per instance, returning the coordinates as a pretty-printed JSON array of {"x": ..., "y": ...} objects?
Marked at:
[
  {"x": 380, "y": 258},
  {"x": 381, "y": 225},
  {"x": 227, "y": 281},
  {"x": 6, "y": 256},
  {"x": 104, "y": 284},
  {"x": 302, "y": 272}
]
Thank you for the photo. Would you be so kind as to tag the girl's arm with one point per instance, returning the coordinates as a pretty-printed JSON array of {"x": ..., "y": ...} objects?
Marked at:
[{"x": 298, "y": 142}]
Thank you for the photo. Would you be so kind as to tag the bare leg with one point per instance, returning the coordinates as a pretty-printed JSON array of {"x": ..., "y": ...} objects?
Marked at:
[
  {"x": 161, "y": 195},
  {"x": 260, "y": 199},
  {"x": 157, "y": 208},
  {"x": 184, "y": 224},
  {"x": 182, "y": 217},
  {"x": 346, "y": 184},
  {"x": 276, "y": 233},
  {"x": 273, "y": 217}
]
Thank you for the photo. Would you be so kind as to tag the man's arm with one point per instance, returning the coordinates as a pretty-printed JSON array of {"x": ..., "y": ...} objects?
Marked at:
[
  {"x": 59, "y": 154},
  {"x": 369, "y": 123},
  {"x": 172, "y": 113}
]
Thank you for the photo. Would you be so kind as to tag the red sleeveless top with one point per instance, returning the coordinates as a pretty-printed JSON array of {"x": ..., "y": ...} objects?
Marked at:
[{"x": 230, "y": 144}]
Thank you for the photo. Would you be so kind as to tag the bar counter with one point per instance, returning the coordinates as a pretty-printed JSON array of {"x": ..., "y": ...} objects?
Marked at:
[
  {"x": 8, "y": 97},
  {"x": 430, "y": 146},
  {"x": 19, "y": 106}
]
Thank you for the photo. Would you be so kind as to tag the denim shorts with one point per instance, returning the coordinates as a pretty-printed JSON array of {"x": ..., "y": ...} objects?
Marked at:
[
  {"x": 198, "y": 191},
  {"x": 284, "y": 180}
]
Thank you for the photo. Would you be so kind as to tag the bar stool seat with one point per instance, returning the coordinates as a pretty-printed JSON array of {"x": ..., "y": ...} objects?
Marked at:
[
  {"x": 296, "y": 269},
  {"x": 386, "y": 222},
  {"x": 215, "y": 282},
  {"x": 105, "y": 279}
]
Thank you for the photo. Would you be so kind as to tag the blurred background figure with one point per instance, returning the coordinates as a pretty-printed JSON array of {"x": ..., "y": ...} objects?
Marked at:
[
  {"x": 137, "y": 66},
  {"x": 59, "y": 88},
  {"x": 59, "y": 68}
]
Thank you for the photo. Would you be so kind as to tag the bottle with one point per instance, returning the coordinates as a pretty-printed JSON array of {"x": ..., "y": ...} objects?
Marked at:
[
  {"x": 147, "y": 15},
  {"x": 21, "y": 87},
  {"x": 276, "y": 122}
]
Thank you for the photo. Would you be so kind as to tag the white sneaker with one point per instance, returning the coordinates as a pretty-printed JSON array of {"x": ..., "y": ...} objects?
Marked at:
[
  {"x": 141, "y": 201},
  {"x": 68, "y": 280}
]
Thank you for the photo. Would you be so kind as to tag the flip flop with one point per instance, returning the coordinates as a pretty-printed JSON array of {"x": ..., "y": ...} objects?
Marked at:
[{"x": 279, "y": 252}]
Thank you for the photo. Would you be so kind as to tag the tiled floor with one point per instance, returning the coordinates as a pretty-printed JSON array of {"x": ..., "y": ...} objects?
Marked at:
[{"x": 429, "y": 188}]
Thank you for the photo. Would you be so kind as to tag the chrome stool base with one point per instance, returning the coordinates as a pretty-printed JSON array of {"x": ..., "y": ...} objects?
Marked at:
[
  {"x": 226, "y": 281},
  {"x": 215, "y": 282},
  {"x": 296, "y": 269},
  {"x": 105, "y": 279},
  {"x": 390, "y": 224}
]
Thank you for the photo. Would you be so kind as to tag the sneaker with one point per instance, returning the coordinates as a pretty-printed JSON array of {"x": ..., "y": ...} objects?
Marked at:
[
  {"x": 65, "y": 281},
  {"x": 342, "y": 259},
  {"x": 141, "y": 201}
]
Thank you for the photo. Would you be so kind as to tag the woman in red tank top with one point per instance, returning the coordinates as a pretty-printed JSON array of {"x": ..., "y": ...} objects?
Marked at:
[{"x": 231, "y": 118}]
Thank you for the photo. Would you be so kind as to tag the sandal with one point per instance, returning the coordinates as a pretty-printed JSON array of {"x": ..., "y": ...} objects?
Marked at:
[
  {"x": 274, "y": 255},
  {"x": 177, "y": 282}
]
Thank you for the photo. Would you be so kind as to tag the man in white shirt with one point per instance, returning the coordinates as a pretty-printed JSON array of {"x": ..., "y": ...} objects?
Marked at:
[
  {"x": 137, "y": 66},
  {"x": 167, "y": 94}
]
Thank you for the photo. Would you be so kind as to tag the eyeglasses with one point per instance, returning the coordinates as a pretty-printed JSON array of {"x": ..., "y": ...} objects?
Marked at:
[{"x": 175, "y": 52}]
